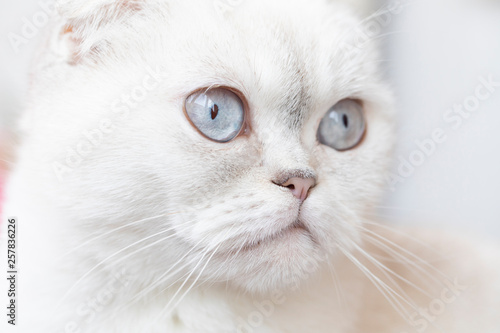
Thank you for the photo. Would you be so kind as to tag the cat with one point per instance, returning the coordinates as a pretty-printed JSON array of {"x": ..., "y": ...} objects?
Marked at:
[{"x": 215, "y": 166}]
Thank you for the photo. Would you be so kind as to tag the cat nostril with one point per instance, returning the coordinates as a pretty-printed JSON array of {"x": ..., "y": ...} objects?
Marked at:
[{"x": 299, "y": 186}]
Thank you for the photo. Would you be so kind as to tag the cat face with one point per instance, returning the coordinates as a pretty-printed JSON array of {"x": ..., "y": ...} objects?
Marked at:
[{"x": 217, "y": 131}]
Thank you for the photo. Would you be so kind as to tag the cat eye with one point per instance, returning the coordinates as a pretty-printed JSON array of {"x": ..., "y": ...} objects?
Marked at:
[
  {"x": 218, "y": 113},
  {"x": 343, "y": 126}
]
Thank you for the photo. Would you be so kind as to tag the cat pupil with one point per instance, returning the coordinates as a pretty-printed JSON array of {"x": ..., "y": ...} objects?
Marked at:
[
  {"x": 214, "y": 111},
  {"x": 345, "y": 120}
]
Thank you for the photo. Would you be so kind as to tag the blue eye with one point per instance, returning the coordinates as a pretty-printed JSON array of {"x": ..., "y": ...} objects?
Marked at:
[
  {"x": 343, "y": 126},
  {"x": 217, "y": 113}
]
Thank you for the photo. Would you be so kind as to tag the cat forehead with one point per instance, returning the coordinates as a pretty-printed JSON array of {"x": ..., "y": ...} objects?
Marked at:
[
  {"x": 286, "y": 52},
  {"x": 285, "y": 58},
  {"x": 295, "y": 33}
]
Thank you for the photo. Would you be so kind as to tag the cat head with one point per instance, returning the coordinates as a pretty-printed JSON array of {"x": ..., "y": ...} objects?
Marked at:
[{"x": 237, "y": 141}]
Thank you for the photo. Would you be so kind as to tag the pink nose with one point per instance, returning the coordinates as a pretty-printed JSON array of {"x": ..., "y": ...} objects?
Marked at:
[{"x": 299, "y": 186}]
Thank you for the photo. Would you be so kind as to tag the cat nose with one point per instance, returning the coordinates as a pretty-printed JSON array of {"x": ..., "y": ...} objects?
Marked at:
[{"x": 299, "y": 186}]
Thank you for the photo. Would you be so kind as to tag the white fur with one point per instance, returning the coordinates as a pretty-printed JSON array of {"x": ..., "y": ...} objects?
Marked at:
[{"x": 209, "y": 199}]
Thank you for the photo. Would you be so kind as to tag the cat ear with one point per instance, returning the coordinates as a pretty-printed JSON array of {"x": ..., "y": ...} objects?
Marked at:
[{"x": 88, "y": 25}]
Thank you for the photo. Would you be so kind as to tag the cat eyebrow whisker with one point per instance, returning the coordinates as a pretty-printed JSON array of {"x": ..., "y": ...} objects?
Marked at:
[
  {"x": 381, "y": 11},
  {"x": 359, "y": 25},
  {"x": 374, "y": 38}
]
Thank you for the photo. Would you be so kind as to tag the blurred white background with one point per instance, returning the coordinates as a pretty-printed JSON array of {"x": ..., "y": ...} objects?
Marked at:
[
  {"x": 436, "y": 50},
  {"x": 434, "y": 53}
]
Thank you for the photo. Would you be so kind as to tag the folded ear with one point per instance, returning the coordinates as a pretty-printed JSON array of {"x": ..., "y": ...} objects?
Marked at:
[{"x": 88, "y": 25}]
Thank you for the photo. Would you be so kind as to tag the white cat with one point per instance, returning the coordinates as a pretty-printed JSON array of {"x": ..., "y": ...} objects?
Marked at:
[{"x": 214, "y": 166}]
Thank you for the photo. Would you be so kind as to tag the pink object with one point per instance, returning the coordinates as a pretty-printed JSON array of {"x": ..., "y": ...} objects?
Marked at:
[{"x": 299, "y": 186}]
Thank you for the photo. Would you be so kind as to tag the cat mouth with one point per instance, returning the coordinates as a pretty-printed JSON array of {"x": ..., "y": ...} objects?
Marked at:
[{"x": 295, "y": 228}]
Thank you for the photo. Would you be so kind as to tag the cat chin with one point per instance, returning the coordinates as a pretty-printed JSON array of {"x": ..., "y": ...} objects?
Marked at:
[{"x": 278, "y": 264}]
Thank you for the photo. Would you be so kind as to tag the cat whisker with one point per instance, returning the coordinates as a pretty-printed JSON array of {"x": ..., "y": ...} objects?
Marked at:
[
  {"x": 101, "y": 235},
  {"x": 336, "y": 284},
  {"x": 389, "y": 294},
  {"x": 359, "y": 26},
  {"x": 379, "y": 215},
  {"x": 383, "y": 10},
  {"x": 400, "y": 208},
  {"x": 167, "y": 307},
  {"x": 406, "y": 299},
  {"x": 165, "y": 276},
  {"x": 197, "y": 278},
  {"x": 381, "y": 36},
  {"x": 416, "y": 267},
  {"x": 119, "y": 260},
  {"x": 213, "y": 277},
  {"x": 8, "y": 162},
  {"x": 382, "y": 267},
  {"x": 224, "y": 239},
  {"x": 404, "y": 234},
  {"x": 235, "y": 255},
  {"x": 388, "y": 270}
]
